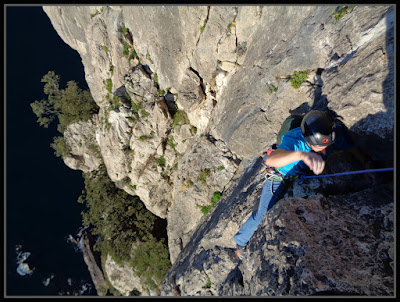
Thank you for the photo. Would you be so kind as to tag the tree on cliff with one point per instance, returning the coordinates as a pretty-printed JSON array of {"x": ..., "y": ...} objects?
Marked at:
[
  {"x": 121, "y": 221},
  {"x": 69, "y": 105},
  {"x": 117, "y": 217}
]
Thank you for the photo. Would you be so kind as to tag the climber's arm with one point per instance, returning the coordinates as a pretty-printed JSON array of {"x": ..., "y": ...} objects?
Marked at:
[{"x": 280, "y": 158}]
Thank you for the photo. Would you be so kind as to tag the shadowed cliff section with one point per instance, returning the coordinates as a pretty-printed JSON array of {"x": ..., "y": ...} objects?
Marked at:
[{"x": 307, "y": 244}]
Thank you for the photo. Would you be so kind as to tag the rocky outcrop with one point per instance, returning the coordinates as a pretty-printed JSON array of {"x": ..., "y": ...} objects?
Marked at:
[
  {"x": 92, "y": 260},
  {"x": 123, "y": 278},
  {"x": 189, "y": 98},
  {"x": 85, "y": 153}
]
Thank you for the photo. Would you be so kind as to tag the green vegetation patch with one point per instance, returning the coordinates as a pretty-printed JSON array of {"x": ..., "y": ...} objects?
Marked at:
[
  {"x": 109, "y": 85},
  {"x": 132, "y": 55},
  {"x": 180, "y": 118},
  {"x": 215, "y": 198},
  {"x": 105, "y": 48},
  {"x": 208, "y": 283},
  {"x": 69, "y": 105},
  {"x": 341, "y": 11},
  {"x": 115, "y": 102},
  {"x": 148, "y": 57},
  {"x": 160, "y": 92},
  {"x": 204, "y": 25},
  {"x": 241, "y": 48},
  {"x": 204, "y": 173},
  {"x": 127, "y": 47},
  {"x": 61, "y": 149},
  {"x": 94, "y": 14},
  {"x": 125, "y": 30},
  {"x": 161, "y": 161},
  {"x": 189, "y": 183},
  {"x": 155, "y": 75},
  {"x": 171, "y": 142},
  {"x": 118, "y": 218},
  {"x": 298, "y": 78},
  {"x": 144, "y": 113},
  {"x": 145, "y": 138},
  {"x": 193, "y": 129},
  {"x": 150, "y": 261},
  {"x": 271, "y": 88},
  {"x": 136, "y": 107},
  {"x": 228, "y": 30}
]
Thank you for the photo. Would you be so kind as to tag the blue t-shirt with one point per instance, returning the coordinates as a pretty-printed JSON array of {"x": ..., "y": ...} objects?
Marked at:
[{"x": 295, "y": 141}]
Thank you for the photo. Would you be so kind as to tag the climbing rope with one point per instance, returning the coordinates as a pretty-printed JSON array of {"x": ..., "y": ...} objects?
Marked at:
[{"x": 303, "y": 177}]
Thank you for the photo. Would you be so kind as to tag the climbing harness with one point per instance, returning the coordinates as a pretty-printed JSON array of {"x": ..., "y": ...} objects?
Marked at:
[
  {"x": 271, "y": 173},
  {"x": 304, "y": 177}
]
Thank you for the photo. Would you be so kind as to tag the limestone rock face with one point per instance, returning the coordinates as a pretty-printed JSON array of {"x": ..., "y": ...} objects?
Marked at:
[
  {"x": 337, "y": 55},
  {"x": 206, "y": 168},
  {"x": 229, "y": 69},
  {"x": 92, "y": 260},
  {"x": 85, "y": 153},
  {"x": 124, "y": 280}
]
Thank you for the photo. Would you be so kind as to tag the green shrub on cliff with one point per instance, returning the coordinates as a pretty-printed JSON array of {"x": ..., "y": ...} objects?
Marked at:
[
  {"x": 61, "y": 149},
  {"x": 118, "y": 218},
  {"x": 204, "y": 25},
  {"x": 120, "y": 221},
  {"x": 180, "y": 118},
  {"x": 204, "y": 173},
  {"x": 341, "y": 11},
  {"x": 68, "y": 105},
  {"x": 298, "y": 78},
  {"x": 109, "y": 85},
  {"x": 125, "y": 30},
  {"x": 126, "y": 48},
  {"x": 161, "y": 161},
  {"x": 105, "y": 48},
  {"x": 241, "y": 48},
  {"x": 171, "y": 142},
  {"x": 150, "y": 261},
  {"x": 215, "y": 198}
]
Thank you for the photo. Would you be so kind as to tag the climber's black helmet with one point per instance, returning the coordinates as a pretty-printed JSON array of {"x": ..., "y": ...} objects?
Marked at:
[{"x": 318, "y": 128}]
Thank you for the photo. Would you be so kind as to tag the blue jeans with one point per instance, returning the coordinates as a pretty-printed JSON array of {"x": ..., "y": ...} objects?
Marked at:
[{"x": 272, "y": 192}]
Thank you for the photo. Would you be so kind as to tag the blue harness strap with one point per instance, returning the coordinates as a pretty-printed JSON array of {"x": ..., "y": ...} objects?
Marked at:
[{"x": 303, "y": 177}]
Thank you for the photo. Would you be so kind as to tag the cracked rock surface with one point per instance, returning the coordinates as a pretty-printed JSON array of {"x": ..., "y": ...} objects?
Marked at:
[{"x": 226, "y": 72}]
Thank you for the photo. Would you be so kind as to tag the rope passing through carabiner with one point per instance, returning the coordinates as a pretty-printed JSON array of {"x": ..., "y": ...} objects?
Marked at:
[{"x": 303, "y": 177}]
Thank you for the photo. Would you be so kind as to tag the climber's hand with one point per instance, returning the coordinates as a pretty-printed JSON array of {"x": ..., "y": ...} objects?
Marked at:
[{"x": 313, "y": 161}]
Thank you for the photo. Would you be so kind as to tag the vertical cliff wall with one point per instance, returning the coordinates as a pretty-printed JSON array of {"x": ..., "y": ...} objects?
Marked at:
[{"x": 188, "y": 94}]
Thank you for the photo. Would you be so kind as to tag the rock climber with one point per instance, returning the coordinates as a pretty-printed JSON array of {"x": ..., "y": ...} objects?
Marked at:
[{"x": 303, "y": 149}]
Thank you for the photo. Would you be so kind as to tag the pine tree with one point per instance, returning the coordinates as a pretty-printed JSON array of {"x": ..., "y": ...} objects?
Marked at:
[{"x": 69, "y": 105}]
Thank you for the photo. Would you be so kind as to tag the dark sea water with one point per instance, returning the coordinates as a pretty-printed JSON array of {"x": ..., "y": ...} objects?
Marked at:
[{"x": 41, "y": 208}]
